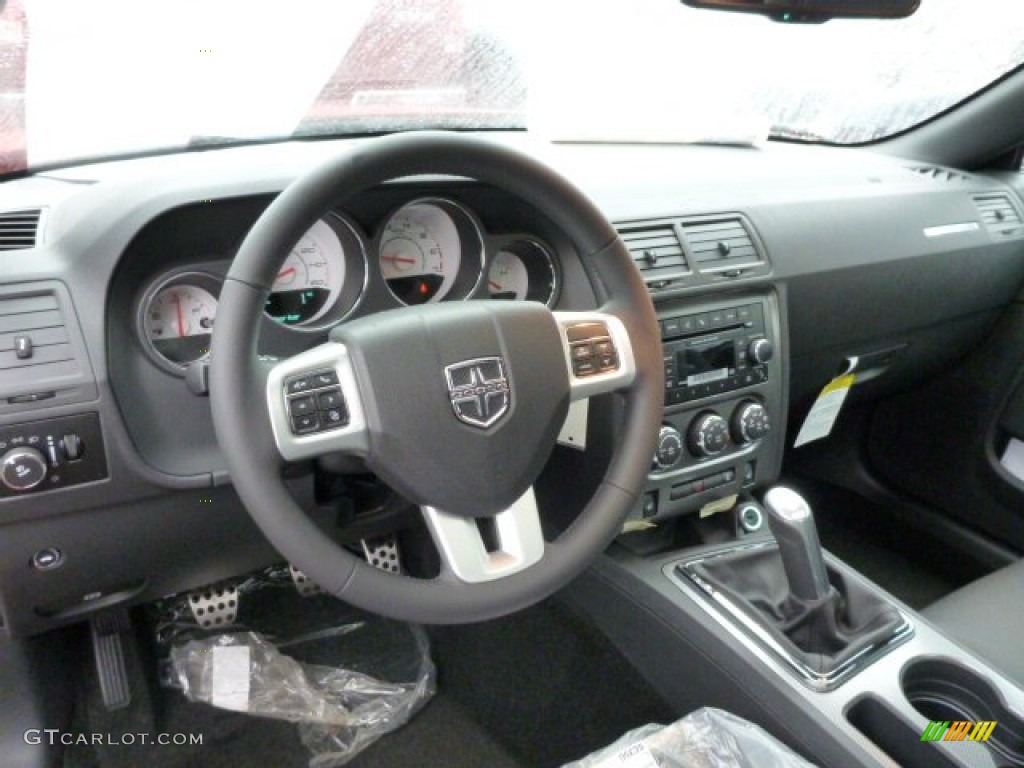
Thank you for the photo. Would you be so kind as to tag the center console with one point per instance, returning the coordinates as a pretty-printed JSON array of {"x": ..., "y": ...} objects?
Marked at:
[
  {"x": 724, "y": 389},
  {"x": 716, "y": 610}
]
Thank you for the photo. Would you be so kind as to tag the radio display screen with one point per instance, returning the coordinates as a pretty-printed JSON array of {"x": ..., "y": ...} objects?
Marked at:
[{"x": 702, "y": 365}]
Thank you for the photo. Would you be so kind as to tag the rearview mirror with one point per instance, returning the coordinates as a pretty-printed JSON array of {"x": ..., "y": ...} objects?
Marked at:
[{"x": 814, "y": 11}]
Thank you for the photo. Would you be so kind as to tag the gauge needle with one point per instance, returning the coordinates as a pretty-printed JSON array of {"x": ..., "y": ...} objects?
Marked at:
[
  {"x": 494, "y": 285},
  {"x": 181, "y": 319},
  {"x": 400, "y": 259},
  {"x": 285, "y": 273}
]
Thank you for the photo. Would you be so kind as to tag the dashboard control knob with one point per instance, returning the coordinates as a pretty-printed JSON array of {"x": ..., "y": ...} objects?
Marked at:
[
  {"x": 750, "y": 422},
  {"x": 708, "y": 435},
  {"x": 22, "y": 469},
  {"x": 760, "y": 351},
  {"x": 670, "y": 448}
]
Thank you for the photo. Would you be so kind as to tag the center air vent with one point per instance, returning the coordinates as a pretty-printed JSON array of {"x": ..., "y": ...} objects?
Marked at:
[
  {"x": 18, "y": 229},
  {"x": 720, "y": 244},
  {"x": 656, "y": 249},
  {"x": 998, "y": 214}
]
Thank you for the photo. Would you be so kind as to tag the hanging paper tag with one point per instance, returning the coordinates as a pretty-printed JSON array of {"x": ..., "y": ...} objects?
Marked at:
[{"x": 825, "y": 411}]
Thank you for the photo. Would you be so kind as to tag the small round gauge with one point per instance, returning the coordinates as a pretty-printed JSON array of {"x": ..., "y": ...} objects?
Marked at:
[
  {"x": 309, "y": 281},
  {"x": 420, "y": 252},
  {"x": 523, "y": 269},
  {"x": 176, "y": 319}
]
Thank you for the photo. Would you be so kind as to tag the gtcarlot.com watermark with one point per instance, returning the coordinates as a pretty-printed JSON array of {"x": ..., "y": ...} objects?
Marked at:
[{"x": 54, "y": 736}]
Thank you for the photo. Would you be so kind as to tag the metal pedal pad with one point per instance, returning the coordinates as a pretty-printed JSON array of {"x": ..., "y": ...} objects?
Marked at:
[
  {"x": 383, "y": 553},
  {"x": 304, "y": 585},
  {"x": 107, "y": 630},
  {"x": 214, "y": 606}
]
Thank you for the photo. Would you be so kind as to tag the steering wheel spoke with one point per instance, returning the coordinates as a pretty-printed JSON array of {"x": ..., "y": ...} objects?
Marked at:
[
  {"x": 512, "y": 543},
  {"x": 598, "y": 353},
  {"x": 315, "y": 406}
]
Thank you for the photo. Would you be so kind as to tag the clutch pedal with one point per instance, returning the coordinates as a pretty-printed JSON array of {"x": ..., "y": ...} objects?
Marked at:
[{"x": 383, "y": 553}]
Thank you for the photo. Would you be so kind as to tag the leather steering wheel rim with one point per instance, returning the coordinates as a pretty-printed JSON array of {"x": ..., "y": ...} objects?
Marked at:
[{"x": 239, "y": 402}]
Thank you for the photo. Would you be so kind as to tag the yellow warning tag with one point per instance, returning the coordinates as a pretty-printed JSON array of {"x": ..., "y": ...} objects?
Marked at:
[{"x": 825, "y": 411}]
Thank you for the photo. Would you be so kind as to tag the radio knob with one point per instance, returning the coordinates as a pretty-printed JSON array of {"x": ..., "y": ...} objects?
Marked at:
[
  {"x": 22, "y": 469},
  {"x": 670, "y": 448},
  {"x": 708, "y": 435},
  {"x": 760, "y": 351},
  {"x": 750, "y": 422}
]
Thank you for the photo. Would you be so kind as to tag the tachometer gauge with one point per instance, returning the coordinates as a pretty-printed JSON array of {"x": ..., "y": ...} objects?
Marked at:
[
  {"x": 309, "y": 281},
  {"x": 420, "y": 253},
  {"x": 523, "y": 269},
  {"x": 176, "y": 319}
]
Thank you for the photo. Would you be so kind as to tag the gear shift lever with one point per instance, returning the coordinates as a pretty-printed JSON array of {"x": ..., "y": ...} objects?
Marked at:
[{"x": 790, "y": 519}]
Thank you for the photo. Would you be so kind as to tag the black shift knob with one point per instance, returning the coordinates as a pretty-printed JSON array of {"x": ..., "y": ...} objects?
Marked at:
[{"x": 792, "y": 523}]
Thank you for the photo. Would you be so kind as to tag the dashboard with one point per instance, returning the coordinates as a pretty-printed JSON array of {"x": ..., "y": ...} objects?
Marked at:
[{"x": 770, "y": 270}]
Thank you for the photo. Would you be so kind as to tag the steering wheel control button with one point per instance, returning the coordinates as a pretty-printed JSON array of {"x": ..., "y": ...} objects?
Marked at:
[
  {"x": 333, "y": 417},
  {"x": 591, "y": 349},
  {"x": 325, "y": 379},
  {"x": 299, "y": 384},
  {"x": 329, "y": 398},
  {"x": 305, "y": 423},
  {"x": 302, "y": 405},
  {"x": 23, "y": 468},
  {"x": 315, "y": 402},
  {"x": 47, "y": 559}
]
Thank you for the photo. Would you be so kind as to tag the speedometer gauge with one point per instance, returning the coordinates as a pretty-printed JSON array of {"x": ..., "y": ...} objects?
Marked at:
[
  {"x": 310, "y": 279},
  {"x": 420, "y": 253}
]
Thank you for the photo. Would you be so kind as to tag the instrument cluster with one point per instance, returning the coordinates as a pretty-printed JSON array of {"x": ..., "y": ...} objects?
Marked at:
[{"x": 429, "y": 249}]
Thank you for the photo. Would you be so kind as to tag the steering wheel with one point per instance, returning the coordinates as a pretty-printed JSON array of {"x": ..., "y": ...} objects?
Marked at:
[{"x": 456, "y": 406}]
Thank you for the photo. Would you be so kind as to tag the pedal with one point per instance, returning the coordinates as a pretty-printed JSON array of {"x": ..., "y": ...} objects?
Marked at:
[
  {"x": 108, "y": 632},
  {"x": 383, "y": 553},
  {"x": 214, "y": 606},
  {"x": 304, "y": 585}
]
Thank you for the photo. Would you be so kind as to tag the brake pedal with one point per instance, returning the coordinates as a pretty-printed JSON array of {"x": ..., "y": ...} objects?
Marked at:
[
  {"x": 383, "y": 553},
  {"x": 109, "y": 633},
  {"x": 304, "y": 585},
  {"x": 214, "y": 606}
]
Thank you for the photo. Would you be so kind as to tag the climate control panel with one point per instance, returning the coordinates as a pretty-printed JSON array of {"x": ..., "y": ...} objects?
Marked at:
[{"x": 54, "y": 453}]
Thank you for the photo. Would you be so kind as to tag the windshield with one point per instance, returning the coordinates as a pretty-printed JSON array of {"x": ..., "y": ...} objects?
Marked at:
[{"x": 113, "y": 77}]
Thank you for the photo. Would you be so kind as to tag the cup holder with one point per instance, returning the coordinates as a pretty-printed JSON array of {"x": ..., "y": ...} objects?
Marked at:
[{"x": 942, "y": 690}]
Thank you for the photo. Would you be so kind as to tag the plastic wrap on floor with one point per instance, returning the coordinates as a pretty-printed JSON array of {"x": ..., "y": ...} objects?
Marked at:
[
  {"x": 345, "y": 686},
  {"x": 706, "y": 738}
]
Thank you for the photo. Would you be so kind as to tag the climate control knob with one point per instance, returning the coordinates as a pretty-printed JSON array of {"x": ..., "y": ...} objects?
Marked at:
[
  {"x": 760, "y": 351},
  {"x": 750, "y": 422},
  {"x": 670, "y": 448},
  {"x": 708, "y": 435},
  {"x": 22, "y": 469}
]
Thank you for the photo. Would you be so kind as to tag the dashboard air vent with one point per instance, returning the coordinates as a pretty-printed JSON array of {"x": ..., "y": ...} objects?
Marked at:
[
  {"x": 998, "y": 214},
  {"x": 18, "y": 229},
  {"x": 656, "y": 249},
  {"x": 938, "y": 173},
  {"x": 721, "y": 244}
]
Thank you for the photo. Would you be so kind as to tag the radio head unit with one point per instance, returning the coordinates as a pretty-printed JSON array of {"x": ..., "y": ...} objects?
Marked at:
[{"x": 708, "y": 353}]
